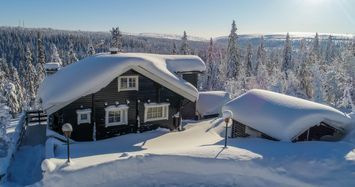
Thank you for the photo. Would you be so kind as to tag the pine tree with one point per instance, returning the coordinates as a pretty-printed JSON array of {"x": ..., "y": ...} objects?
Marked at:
[
  {"x": 55, "y": 55},
  {"x": 248, "y": 61},
  {"x": 232, "y": 65},
  {"x": 91, "y": 49},
  {"x": 184, "y": 49},
  {"x": 116, "y": 40},
  {"x": 287, "y": 64}
]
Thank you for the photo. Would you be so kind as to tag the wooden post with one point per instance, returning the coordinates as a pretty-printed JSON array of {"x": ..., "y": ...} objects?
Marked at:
[
  {"x": 93, "y": 120},
  {"x": 308, "y": 135}
]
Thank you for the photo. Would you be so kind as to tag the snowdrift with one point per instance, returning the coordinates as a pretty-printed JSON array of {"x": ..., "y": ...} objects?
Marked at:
[
  {"x": 93, "y": 73},
  {"x": 283, "y": 117}
]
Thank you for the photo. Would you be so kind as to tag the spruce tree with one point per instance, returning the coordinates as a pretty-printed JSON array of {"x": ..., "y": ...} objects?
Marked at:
[
  {"x": 174, "y": 51},
  {"x": 30, "y": 78},
  {"x": 260, "y": 55},
  {"x": 211, "y": 75},
  {"x": 116, "y": 40},
  {"x": 248, "y": 61},
  {"x": 184, "y": 49},
  {"x": 55, "y": 55},
  {"x": 91, "y": 49},
  {"x": 329, "y": 51},
  {"x": 287, "y": 58},
  {"x": 71, "y": 54},
  {"x": 232, "y": 65},
  {"x": 41, "y": 57}
]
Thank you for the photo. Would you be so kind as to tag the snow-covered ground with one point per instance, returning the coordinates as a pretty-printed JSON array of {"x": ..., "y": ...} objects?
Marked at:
[
  {"x": 7, "y": 150},
  {"x": 195, "y": 157}
]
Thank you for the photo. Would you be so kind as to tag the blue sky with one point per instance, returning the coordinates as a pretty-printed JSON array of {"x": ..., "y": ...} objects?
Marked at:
[{"x": 205, "y": 18}]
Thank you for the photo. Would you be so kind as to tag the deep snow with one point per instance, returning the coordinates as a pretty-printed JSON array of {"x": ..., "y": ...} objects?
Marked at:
[
  {"x": 93, "y": 73},
  {"x": 211, "y": 102},
  {"x": 195, "y": 157},
  {"x": 281, "y": 116}
]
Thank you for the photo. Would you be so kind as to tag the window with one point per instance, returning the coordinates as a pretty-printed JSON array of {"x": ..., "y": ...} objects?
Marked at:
[
  {"x": 128, "y": 83},
  {"x": 116, "y": 115},
  {"x": 156, "y": 111},
  {"x": 84, "y": 116}
]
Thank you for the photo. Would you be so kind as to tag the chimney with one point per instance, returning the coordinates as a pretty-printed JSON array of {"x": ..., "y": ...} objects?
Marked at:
[{"x": 51, "y": 67}]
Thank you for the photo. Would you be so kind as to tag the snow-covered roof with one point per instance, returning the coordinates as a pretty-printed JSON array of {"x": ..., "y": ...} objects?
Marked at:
[
  {"x": 281, "y": 116},
  {"x": 211, "y": 102},
  {"x": 52, "y": 65},
  {"x": 93, "y": 73}
]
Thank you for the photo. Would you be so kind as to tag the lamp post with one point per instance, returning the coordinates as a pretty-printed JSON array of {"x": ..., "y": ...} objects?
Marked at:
[
  {"x": 67, "y": 130},
  {"x": 226, "y": 116}
]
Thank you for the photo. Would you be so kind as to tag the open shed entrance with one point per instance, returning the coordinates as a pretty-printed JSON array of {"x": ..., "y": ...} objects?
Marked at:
[{"x": 321, "y": 132}]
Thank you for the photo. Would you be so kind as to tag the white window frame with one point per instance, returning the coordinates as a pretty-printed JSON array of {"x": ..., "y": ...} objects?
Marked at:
[
  {"x": 165, "y": 111},
  {"x": 79, "y": 112},
  {"x": 136, "y": 77},
  {"x": 123, "y": 115}
]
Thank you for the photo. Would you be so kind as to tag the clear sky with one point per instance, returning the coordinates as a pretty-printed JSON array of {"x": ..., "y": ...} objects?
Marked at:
[{"x": 205, "y": 18}]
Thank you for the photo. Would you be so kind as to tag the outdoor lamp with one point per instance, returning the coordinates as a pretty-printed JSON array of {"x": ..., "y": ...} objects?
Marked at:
[
  {"x": 67, "y": 130},
  {"x": 226, "y": 116}
]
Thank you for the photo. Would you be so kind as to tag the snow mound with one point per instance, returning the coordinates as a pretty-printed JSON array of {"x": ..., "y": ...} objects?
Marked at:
[
  {"x": 211, "y": 102},
  {"x": 93, "y": 73},
  {"x": 47, "y": 166},
  {"x": 281, "y": 116}
]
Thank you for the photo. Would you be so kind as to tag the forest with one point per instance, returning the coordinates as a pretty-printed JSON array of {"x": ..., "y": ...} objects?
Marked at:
[{"x": 320, "y": 68}]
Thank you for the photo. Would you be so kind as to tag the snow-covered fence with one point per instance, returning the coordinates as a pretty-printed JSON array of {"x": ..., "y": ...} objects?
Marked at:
[{"x": 15, "y": 141}]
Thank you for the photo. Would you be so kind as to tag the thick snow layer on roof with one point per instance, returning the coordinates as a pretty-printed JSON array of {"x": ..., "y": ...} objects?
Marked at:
[
  {"x": 283, "y": 117},
  {"x": 211, "y": 102},
  {"x": 93, "y": 73}
]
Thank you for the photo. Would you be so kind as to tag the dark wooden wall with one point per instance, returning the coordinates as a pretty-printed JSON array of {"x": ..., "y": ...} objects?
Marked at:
[{"x": 148, "y": 90}]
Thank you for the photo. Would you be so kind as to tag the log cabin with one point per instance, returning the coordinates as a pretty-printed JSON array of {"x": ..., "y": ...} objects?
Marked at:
[{"x": 111, "y": 94}]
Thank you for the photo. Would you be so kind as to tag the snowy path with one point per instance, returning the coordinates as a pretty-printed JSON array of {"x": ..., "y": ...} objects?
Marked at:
[{"x": 25, "y": 168}]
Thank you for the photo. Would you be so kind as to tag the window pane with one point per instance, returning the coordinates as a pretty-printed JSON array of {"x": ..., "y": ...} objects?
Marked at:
[
  {"x": 83, "y": 116},
  {"x": 155, "y": 112},
  {"x": 124, "y": 83},
  {"x": 114, "y": 116},
  {"x": 132, "y": 82}
]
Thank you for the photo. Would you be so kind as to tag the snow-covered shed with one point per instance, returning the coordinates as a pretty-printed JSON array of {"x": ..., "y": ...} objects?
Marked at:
[
  {"x": 210, "y": 103},
  {"x": 277, "y": 116},
  {"x": 124, "y": 89}
]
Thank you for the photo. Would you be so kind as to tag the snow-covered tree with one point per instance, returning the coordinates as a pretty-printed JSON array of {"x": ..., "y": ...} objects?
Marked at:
[
  {"x": 329, "y": 51},
  {"x": 174, "y": 51},
  {"x": 91, "y": 49},
  {"x": 12, "y": 99},
  {"x": 41, "y": 55},
  {"x": 71, "y": 54},
  {"x": 55, "y": 55},
  {"x": 260, "y": 55},
  {"x": 116, "y": 40},
  {"x": 249, "y": 61},
  {"x": 211, "y": 74},
  {"x": 30, "y": 79},
  {"x": 287, "y": 58},
  {"x": 346, "y": 100},
  {"x": 185, "y": 48},
  {"x": 4, "y": 119},
  {"x": 232, "y": 64}
]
